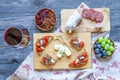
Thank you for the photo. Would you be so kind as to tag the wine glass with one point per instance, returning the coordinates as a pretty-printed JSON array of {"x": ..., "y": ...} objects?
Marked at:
[{"x": 17, "y": 36}]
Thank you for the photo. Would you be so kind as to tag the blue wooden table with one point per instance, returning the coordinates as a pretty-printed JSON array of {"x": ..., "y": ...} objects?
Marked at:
[{"x": 21, "y": 12}]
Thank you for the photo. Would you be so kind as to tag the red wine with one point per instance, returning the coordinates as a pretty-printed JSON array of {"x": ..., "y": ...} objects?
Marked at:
[
  {"x": 13, "y": 36},
  {"x": 17, "y": 36}
]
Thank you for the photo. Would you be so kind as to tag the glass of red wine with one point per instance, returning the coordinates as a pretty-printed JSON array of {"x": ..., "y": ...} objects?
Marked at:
[{"x": 17, "y": 36}]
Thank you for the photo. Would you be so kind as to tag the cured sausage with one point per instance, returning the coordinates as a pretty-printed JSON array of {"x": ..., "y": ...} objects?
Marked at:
[
  {"x": 93, "y": 15},
  {"x": 72, "y": 22}
]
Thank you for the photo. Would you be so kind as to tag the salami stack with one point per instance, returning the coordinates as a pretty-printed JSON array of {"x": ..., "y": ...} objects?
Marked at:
[
  {"x": 93, "y": 15},
  {"x": 83, "y": 11}
]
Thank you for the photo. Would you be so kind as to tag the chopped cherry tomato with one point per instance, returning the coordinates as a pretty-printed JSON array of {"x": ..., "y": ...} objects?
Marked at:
[
  {"x": 49, "y": 64},
  {"x": 85, "y": 60},
  {"x": 44, "y": 43},
  {"x": 81, "y": 44},
  {"x": 44, "y": 59},
  {"x": 46, "y": 38},
  {"x": 85, "y": 54},
  {"x": 72, "y": 41},
  {"x": 37, "y": 44},
  {"x": 78, "y": 64},
  {"x": 74, "y": 63},
  {"x": 38, "y": 49}
]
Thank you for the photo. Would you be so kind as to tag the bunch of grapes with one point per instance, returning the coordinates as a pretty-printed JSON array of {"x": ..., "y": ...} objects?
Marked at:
[{"x": 103, "y": 47}]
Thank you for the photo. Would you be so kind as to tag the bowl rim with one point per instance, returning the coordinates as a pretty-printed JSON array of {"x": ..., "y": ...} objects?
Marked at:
[
  {"x": 104, "y": 59},
  {"x": 39, "y": 26}
]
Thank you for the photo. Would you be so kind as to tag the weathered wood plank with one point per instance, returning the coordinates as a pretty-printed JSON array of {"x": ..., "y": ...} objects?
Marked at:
[
  {"x": 25, "y": 19},
  {"x": 115, "y": 18},
  {"x": 34, "y": 5},
  {"x": 6, "y": 70},
  {"x": 8, "y": 55},
  {"x": 115, "y": 34},
  {"x": 24, "y": 5}
]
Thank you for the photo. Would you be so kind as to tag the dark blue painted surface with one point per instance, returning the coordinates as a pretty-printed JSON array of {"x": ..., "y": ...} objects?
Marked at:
[{"x": 13, "y": 12}]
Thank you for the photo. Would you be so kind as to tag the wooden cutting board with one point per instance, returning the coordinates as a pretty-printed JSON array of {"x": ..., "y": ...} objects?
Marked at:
[
  {"x": 64, "y": 61},
  {"x": 86, "y": 24}
]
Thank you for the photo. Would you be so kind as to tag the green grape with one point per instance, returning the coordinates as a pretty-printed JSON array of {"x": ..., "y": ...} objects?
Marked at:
[
  {"x": 105, "y": 39},
  {"x": 108, "y": 41},
  {"x": 107, "y": 47},
  {"x": 100, "y": 40},
  {"x": 103, "y": 44},
  {"x": 111, "y": 48},
  {"x": 109, "y": 53},
  {"x": 111, "y": 44}
]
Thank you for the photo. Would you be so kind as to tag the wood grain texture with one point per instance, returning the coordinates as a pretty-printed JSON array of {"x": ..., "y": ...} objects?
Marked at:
[
  {"x": 86, "y": 25},
  {"x": 13, "y": 12},
  {"x": 64, "y": 61},
  {"x": 25, "y": 19},
  {"x": 7, "y": 69}
]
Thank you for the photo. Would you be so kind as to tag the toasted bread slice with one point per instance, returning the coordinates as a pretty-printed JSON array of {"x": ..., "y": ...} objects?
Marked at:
[
  {"x": 77, "y": 43},
  {"x": 48, "y": 61},
  {"x": 42, "y": 43},
  {"x": 81, "y": 60},
  {"x": 50, "y": 39}
]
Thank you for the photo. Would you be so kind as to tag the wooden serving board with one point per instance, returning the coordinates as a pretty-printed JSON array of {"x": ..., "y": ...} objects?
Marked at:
[
  {"x": 86, "y": 24},
  {"x": 64, "y": 61}
]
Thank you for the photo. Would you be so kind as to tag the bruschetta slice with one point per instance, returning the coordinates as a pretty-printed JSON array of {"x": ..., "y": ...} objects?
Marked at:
[
  {"x": 42, "y": 43},
  {"x": 48, "y": 61},
  {"x": 81, "y": 60},
  {"x": 77, "y": 43}
]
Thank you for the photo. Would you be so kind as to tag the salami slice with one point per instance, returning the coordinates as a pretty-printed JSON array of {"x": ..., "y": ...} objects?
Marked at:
[
  {"x": 86, "y": 13},
  {"x": 99, "y": 17},
  {"x": 93, "y": 15}
]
